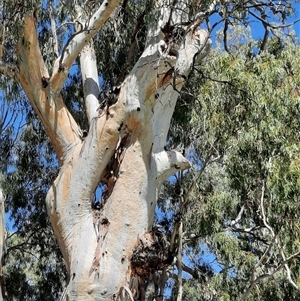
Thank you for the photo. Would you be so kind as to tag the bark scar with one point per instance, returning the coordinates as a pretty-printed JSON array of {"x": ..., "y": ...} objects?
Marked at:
[
  {"x": 114, "y": 167},
  {"x": 102, "y": 225}
]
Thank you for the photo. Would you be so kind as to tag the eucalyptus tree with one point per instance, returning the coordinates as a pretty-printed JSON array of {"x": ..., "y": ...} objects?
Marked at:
[
  {"x": 134, "y": 58},
  {"x": 240, "y": 217}
]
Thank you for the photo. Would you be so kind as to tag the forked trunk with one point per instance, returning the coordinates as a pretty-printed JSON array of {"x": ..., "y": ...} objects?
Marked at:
[{"x": 123, "y": 151}]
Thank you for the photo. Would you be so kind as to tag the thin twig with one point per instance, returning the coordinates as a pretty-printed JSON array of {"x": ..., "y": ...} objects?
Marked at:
[
  {"x": 128, "y": 292},
  {"x": 205, "y": 163},
  {"x": 179, "y": 262},
  {"x": 275, "y": 240},
  {"x": 271, "y": 25},
  {"x": 238, "y": 218},
  {"x": 139, "y": 23}
]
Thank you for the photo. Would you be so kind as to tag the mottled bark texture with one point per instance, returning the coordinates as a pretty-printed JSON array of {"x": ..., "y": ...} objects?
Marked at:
[{"x": 123, "y": 149}]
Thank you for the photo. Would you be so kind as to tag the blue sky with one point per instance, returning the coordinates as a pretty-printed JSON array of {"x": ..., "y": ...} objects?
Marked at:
[{"x": 257, "y": 29}]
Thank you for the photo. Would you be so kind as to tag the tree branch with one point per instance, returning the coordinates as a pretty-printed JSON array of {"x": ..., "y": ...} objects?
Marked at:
[
  {"x": 275, "y": 241},
  {"x": 168, "y": 163},
  {"x": 238, "y": 218},
  {"x": 267, "y": 275},
  {"x": 265, "y": 24},
  {"x": 77, "y": 43},
  {"x": 139, "y": 23},
  {"x": 33, "y": 76},
  {"x": 271, "y": 25},
  {"x": 179, "y": 262},
  {"x": 89, "y": 73}
]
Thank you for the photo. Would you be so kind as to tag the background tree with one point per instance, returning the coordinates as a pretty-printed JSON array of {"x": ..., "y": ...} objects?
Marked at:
[
  {"x": 234, "y": 212},
  {"x": 132, "y": 74}
]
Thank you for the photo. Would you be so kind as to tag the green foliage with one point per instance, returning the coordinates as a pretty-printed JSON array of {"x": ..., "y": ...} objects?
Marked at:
[
  {"x": 33, "y": 266},
  {"x": 245, "y": 125},
  {"x": 33, "y": 271}
]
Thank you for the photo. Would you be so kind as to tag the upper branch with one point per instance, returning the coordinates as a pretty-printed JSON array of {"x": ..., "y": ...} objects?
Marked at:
[
  {"x": 33, "y": 76},
  {"x": 168, "y": 163},
  {"x": 77, "y": 42},
  {"x": 206, "y": 13}
]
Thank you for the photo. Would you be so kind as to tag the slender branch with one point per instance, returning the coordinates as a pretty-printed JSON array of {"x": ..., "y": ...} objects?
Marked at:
[
  {"x": 224, "y": 82},
  {"x": 265, "y": 24},
  {"x": 139, "y": 23},
  {"x": 77, "y": 43},
  {"x": 59, "y": 124},
  {"x": 205, "y": 163},
  {"x": 225, "y": 35},
  {"x": 127, "y": 290},
  {"x": 262, "y": 259},
  {"x": 267, "y": 275},
  {"x": 189, "y": 270},
  {"x": 249, "y": 231},
  {"x": 263, "y": 210},
  {"x": 287, "y": 260},
  {"x": 172, "y": 240},
  {"x": 65, "y": 50},
  {"x": 65, "y": 24},
  {"x": 238, "y": 218},
  {"x": 271, "y": 25},
  {"x": 179, "y": 262},
  {"x": 288, "y": 271},
  {"x": 275, "y": 240},
  {"x": 263, "y": 45}
]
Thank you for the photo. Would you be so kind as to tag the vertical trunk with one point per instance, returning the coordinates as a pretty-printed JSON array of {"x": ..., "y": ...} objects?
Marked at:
[{"x": 124, "y": 150}]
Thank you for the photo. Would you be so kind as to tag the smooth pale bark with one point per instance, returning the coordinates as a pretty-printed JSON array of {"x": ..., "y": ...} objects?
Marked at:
[
  {"x": 34, "y": 78},
  {"x": 124, "y": 148},
  {"x": 90, "y": 82}
]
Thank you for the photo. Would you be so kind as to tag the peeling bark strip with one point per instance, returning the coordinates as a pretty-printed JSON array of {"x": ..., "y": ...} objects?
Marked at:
[
  {"x": 151, "y": 254},
  {"x": 103, "y": 225},
  {"x": 123, "y": 148},
  {"x": 114, "y": 166}
]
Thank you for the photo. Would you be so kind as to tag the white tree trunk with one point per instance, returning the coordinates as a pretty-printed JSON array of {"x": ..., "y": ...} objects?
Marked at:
[
  {"x": 141, "y": 118},
  {"x": 124, "y": 149}
]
